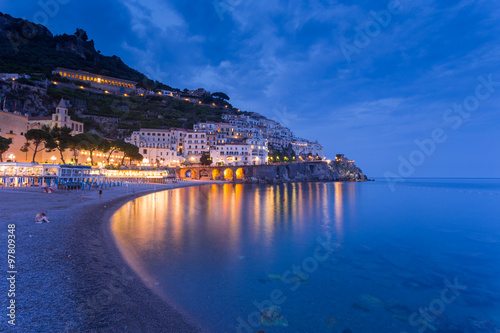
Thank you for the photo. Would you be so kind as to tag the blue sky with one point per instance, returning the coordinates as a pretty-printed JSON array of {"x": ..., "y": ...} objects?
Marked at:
[{"x": 327, "y": 69}]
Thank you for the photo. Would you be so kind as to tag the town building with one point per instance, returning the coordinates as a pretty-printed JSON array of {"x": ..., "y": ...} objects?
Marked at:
[
  {"x": 306, "y": 148},
  {"x": 159, "y": 146},
  {"x": 247, "y": 152},
  {"x": 15, "y": 125},
  {"x": 60, "y": 119},
  {"x": 12, "y": 76},
  {"x": 103, "y": 82}
]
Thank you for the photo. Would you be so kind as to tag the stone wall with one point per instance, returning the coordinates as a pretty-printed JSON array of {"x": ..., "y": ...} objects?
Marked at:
[{"x": 278, "y": 173}]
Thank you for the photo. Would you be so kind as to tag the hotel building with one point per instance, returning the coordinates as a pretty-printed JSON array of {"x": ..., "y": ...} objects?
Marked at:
[{"x": 106, "y": 83}]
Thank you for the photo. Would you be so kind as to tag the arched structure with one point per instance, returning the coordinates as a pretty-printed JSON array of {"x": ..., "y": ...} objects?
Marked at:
[
  {"x": 240, "y": 173},
  {"x": 204, "y": 173},
  {"x": 216, "y": 174},
  {"x": 228, "y": 174}
]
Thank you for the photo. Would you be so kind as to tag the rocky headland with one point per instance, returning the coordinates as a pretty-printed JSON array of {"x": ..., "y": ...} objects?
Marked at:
[{"x": 305, "y": 172}]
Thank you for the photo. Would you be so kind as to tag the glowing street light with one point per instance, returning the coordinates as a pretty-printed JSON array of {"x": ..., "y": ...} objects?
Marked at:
[{"x": 53, "y": 159}]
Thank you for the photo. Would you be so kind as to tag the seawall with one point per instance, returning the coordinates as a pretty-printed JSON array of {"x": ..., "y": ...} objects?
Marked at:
[{"x": 276, "y": 173}]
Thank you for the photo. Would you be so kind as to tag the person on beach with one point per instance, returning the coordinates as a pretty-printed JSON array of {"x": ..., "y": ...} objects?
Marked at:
[
  {"x": 100, "y": 193},
  {"x": 41, "y": 217}
]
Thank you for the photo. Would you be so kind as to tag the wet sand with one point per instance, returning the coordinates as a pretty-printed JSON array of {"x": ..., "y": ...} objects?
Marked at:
[{"x": 70, "y": 275}]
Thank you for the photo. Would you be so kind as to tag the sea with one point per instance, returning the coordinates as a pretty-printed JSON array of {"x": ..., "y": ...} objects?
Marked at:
[{"x": 422, "y": 255}]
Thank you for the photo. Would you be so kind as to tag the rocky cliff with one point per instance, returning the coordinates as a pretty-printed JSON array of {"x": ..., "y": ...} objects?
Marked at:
[{"x": 309, "y": 171}]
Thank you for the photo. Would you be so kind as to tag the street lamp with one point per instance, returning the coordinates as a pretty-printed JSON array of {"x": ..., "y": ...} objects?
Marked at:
[
  {"x": 12, "y": 157},
  {"x": 53, "y": 159}
]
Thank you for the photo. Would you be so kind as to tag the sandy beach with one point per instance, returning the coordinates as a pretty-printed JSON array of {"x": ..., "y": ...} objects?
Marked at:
[{"x": 70, "y": 275}]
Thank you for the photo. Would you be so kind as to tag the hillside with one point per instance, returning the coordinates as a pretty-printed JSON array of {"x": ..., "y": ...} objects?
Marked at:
[
  {"x": 26, "y": 47},
  {"x": 32, "y": 49}
]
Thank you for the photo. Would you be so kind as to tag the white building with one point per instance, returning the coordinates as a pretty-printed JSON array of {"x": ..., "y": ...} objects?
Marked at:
[
  {"x": 158, "y": 146},
  {"x": 303, "y": 148},
  {"x": 249, "y": 152}
]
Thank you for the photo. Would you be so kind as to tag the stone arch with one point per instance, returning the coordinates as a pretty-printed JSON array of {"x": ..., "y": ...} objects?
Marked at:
[
  {"x": 188, "y": 173},
  {"x": 216, "y": 174},
  {"x": 240, "y": 173},
  {"x": 228, "y": 174},
  {"x": 204, "y": 173}
]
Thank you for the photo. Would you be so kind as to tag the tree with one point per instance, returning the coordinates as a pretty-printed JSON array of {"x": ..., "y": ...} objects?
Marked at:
[
  {"x": 91, "y": 142},
  {"x": 220, "y": 95},
  {"x": 60, "y": 140},
  {"x": 74, "y": 145},
  {"x": 205, "y": 159},
  {"x": 131, "y": 151},
  {"x": 104, "y": 146},
  {"x": 37, "y": 138},
  {"x": 4, "y": 146},
  {"x": 115, "y": 145}
]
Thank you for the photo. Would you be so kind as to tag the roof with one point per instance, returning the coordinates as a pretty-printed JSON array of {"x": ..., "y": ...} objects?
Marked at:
[
  {"x": 62, "y": 104},
  {"x": 39, "y": 118}
]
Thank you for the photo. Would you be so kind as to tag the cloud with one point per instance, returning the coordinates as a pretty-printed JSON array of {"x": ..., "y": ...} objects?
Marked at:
[{"x": 152, "y": 14}]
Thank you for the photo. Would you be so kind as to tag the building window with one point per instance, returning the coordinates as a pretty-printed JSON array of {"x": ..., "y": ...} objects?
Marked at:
[{"x": 144, "y": 151}]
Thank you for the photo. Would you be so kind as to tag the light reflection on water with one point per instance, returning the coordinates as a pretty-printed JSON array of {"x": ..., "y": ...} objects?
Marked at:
[{"x": 214, "y": 250}]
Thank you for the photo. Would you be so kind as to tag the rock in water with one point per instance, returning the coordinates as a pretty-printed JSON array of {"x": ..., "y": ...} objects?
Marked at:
[{"x": 271, "y": 317}]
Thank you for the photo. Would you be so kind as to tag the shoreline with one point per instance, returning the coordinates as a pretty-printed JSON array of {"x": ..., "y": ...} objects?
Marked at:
[
  {"x": 71, "y": 276},
  {"x": 127, "y": 303}
]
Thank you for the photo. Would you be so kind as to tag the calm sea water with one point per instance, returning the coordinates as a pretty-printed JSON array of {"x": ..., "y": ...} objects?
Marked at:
[{"x": 322, "y": 257}]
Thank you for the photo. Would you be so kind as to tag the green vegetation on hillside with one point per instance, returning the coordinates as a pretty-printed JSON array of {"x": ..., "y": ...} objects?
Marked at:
[
  {"x": 29, "y": 48},
  {"x": 137, "y": 111}
]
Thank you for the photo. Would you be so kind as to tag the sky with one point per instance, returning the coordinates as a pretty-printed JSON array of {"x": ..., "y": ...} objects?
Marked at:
[{"x": 405, "y": 88}]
